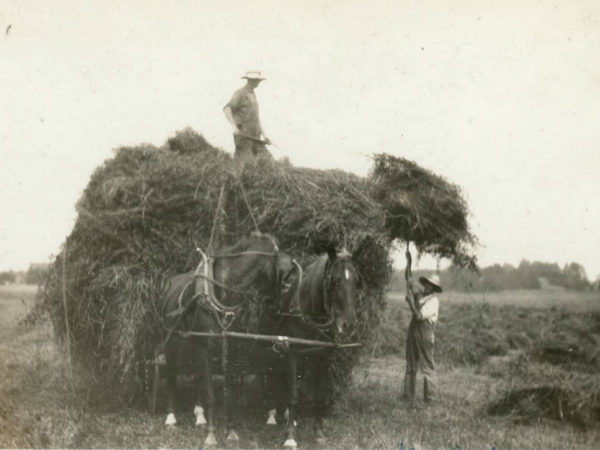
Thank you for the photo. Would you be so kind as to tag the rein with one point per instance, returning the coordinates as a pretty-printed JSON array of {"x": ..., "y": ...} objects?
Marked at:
[{"x": 249, "y": 252}]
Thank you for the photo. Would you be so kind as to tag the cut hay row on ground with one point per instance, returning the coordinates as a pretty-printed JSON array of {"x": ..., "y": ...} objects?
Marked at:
[
  {"x": 549, "y": 392},
  {"x": 145, "y": 211}
]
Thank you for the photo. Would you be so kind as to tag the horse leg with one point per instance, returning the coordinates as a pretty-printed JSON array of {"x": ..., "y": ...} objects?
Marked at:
[
  {"x": 274, "y": 397},
  {"x": 199, "y": 382},
  {"x": 321, "y": 393},
  {"x": 291, "y": 372},
  {"x": 230, "y": 395},
  {"x": 205, "y": 390},
  {"x": 172, "y": 360}
]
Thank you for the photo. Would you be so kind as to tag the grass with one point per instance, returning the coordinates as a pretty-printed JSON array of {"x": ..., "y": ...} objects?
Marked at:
[
  {"x": 40, "y": 408},
  {"x": 18, "y": 291},
  {"x": 571, "y": 301}
]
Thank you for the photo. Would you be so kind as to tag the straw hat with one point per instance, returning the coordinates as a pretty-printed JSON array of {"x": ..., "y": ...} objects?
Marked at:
[
  {"x": 433, "y": 280},
  {"x": 253, "y": 75}
]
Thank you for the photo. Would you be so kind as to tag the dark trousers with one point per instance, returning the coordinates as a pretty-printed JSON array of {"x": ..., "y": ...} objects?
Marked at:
[
  {"x": 248, "y": 149},
  {"x": 419, "y": 355}
]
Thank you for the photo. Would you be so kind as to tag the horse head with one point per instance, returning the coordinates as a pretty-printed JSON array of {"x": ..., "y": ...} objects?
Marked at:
[{"x": 340, "y": 289}]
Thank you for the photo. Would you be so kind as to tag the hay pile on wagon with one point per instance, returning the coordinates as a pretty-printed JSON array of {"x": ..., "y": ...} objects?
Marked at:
[{"x": 146, "y": 210}]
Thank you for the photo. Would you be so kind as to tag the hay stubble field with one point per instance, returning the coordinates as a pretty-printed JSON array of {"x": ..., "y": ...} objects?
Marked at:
[{"x": 483, "y": 344}]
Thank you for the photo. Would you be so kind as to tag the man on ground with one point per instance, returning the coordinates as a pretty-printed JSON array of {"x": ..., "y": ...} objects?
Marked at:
[{"x": 424, "y": 306}]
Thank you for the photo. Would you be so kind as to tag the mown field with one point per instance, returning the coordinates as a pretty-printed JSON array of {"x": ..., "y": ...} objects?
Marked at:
[{"x": 516, "y": 370}]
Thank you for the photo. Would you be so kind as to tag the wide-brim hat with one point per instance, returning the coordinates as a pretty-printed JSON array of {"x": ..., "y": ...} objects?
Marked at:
[
  {"x": 253, "y": 75},
  {"x": 433, "y": 280}
]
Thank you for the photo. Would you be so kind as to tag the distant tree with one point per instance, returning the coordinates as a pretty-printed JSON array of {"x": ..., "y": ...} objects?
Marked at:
[
  {"x": 35, "y": 273},
  {"x": 596, "y": 284},
  {"x": 493, "y": 278},
  {"x": 550, "y": 271},
  {"x": 459, "y": 278},
  {"x": 575, "y": 276},
  {"x": 527, "y": 278},
  {"x": 506, "y": 277},
  {"x": 7, "y": 277}
]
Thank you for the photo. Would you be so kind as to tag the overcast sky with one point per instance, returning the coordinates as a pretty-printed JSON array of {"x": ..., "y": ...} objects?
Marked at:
[{"x": 502, "y": 98}]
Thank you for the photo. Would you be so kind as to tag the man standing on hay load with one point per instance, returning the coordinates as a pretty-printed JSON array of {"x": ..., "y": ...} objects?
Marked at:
[
  {"x": 242, "y": 114},
  {"x": 419, "y": 342}
]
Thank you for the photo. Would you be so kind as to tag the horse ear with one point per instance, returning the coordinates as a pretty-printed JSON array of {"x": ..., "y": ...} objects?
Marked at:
[
  {"x": 331, "y": 252},
  {"x": 344, "y": 253},
  {"x": 359, "y": 280}
]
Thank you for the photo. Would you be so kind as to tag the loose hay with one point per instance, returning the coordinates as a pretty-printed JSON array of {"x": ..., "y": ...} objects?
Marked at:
[
  {"x": 548, "y": 392},
  {"x": 424, "y": 208},
  {"x": 145, "y": 211}
]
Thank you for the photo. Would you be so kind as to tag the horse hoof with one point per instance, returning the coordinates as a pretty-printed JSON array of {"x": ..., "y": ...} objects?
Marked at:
[
  {"x": 232, "y": 437},
  {"x": 199, "y": 413},
  {"x": 170, "y": 421},
  {"x": 320, "y": 439},
  {"x": 210, "y": 440},
  {"x": 290, "y": 443},
  {"x": 271, "y": 419}
]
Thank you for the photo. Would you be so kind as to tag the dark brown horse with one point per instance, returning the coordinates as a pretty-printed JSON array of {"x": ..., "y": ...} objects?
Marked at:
[
  {"x": 240, "y": 294},
  {"x": 323, "y": 310}
]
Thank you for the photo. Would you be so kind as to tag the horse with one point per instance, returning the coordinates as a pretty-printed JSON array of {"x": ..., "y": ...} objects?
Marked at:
[
  {"x": 324, "y": 309},
  {"x": 238, "y": 294}
]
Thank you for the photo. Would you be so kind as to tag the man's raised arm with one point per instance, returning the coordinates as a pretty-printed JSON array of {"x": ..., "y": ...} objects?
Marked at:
[{"x": 410, "y": 297}]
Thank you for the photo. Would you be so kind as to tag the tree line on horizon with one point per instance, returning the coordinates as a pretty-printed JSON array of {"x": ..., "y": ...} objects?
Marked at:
[
  {"x": 33, "y": 275},
  {"x": 499, "y": 277}
]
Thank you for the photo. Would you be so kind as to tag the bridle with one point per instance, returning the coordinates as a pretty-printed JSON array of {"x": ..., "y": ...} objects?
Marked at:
[
  {"x": 327, "y": 285},
  {"x": 325, "y": 326}
]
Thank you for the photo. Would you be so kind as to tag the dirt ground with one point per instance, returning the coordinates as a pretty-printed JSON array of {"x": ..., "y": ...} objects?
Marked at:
[{"x": 39, "y": 407}]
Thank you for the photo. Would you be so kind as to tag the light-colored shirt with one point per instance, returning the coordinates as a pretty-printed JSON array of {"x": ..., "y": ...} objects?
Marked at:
[
  {"x": 244, "y": 108},
  {"x": 429, "y": 307}
]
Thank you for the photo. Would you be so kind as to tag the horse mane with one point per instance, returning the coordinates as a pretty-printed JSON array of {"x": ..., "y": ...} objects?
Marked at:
[
  {"x": 312, "y": 285},
  {"x": 247, "y": 241}
]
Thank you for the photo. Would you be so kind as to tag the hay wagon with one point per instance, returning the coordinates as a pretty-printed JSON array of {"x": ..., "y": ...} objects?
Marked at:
[
  {"x": 309, "y": 345},
  {"x": 203, "y": 283},
  {"x": 144, "y": 208}
]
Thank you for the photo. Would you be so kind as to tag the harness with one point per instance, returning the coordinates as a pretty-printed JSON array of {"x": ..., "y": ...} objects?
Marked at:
[
  {"x": 204, "y": 283},
  {"x": 310, "y": 320}
]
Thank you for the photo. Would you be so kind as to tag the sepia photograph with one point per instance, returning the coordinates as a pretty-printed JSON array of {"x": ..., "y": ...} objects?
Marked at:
[{"x": 303, "y": 224}]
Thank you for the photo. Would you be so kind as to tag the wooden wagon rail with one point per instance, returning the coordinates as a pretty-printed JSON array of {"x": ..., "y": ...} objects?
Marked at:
[
  {"x": 270, "y": 338},
  {"x": 313, "y": 343}
]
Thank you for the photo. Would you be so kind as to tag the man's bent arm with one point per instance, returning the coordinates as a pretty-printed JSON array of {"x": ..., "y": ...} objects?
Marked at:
[
  {"x": 263, "y": 134},
  {"x": 229, "y": 114}
]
